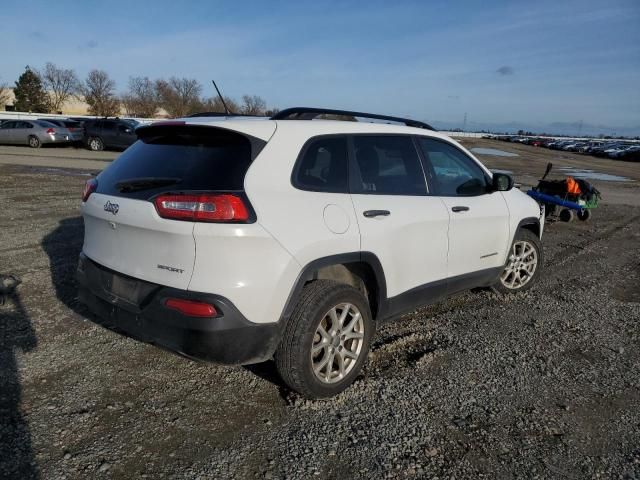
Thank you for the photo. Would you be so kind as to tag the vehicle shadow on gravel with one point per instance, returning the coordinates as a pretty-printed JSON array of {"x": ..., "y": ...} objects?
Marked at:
[
  {"x": 63, "y": 246},
  {"x": 269, "y": 372},
  {"x": 16, "y": 333}
]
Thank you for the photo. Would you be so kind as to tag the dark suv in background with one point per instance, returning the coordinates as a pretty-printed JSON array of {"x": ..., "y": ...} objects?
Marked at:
[{"x": 110, "y": 133}]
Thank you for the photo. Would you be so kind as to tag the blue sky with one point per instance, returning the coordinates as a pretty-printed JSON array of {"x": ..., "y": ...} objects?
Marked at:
[{"x": 534, "y": 61}]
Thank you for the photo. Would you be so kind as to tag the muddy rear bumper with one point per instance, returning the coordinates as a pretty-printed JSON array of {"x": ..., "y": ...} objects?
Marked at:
[{"x": 138, "y": 311}]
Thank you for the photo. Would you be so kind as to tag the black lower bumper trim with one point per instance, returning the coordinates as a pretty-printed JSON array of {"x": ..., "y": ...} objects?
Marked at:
[{"x": 228, "y": 338}]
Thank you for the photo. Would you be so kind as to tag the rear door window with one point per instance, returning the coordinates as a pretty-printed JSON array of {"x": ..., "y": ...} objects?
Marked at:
[
  {"x": 179, "y": 159},
  {"x": 323, "y": 166},
  {"x": 387, "y": 165}
]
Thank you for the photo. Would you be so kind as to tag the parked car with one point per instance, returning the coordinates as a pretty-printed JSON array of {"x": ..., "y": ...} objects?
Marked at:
[
  {"x": 588, "y": 147},
  {"x": 632, "y": 154},
  {"x": 572, "y": 146},
  {"x": 621, "y": 151},
  {"x": 109, "y": 133},
  {"x": 33, "y": 133},
  {"x": 239, "y": 241},
  {"x": 75, "y": 128}
]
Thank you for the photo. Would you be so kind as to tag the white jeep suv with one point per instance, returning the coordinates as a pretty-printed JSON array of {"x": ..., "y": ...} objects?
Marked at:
[{"x": 241, "y": 240}]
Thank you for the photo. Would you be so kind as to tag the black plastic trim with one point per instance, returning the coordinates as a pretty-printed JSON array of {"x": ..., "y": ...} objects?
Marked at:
[
  {"x": 228, "y": 338},
  {"x": 309, "y": 113},
  {"x": 393, "y": 307},
  {"x": 528, "y": 221}
]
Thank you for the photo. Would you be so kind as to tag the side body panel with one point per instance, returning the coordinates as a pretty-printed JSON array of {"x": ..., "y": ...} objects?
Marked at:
[
  {"x": 411, "y": 242},
  {"x": 245, "y": 264},
  {"x": 478, "y": 237},
  {"x": 308, "y": 225}
]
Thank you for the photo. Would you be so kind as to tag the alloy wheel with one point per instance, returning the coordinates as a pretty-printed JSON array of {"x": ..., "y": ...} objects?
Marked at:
[
  {"x": 337, "y": 343},
  {"x": 522, "y": 265}
]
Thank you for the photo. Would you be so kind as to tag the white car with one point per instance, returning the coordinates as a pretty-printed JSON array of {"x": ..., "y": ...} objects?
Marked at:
[{"x": 243, "y": 240}]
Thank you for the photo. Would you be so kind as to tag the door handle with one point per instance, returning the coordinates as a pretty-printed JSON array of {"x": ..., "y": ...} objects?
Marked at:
[
  {"x": 376, "y": 213},
  {"x": 459, "y": 209}
]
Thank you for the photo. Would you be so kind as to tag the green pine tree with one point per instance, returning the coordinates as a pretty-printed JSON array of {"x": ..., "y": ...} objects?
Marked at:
[{"x": 30, "y": 96}]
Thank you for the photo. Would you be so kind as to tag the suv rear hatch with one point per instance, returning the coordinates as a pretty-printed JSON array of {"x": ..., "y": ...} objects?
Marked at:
[{"x": 140, "y": 212}]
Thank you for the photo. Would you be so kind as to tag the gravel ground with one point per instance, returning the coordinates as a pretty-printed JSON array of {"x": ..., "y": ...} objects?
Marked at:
[{"x": 542, "y": 384}]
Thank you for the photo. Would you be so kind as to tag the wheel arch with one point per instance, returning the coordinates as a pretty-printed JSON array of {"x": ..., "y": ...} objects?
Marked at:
[
  {"x": 361, "y": 270},
  {"x": 530, "y": 223}
]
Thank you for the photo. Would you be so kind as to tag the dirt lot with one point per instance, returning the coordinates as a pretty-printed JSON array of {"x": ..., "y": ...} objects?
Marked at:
[{"x": 543, "y": 384}]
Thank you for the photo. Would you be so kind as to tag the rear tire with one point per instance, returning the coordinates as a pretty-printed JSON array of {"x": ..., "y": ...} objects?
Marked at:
[
  {"x": 95, "y": 144},
  {"x": 523, "y": 265},
  {"x": 326, "y": 340},
  {"x": 34, "y": 142},
  {"x": 567, "y": 215}
]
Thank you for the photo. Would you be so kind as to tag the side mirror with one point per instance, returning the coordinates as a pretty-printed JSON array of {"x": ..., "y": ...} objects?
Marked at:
[{"x": 501, "y": 182}]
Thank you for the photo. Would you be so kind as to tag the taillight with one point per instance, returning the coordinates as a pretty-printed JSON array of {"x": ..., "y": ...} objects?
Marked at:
[
  {"x": 191, "y": 308},
  {"x": 204, "y": 207},
  {"x": 51, "y": 131},
  {"x": 89, "y": 187}
]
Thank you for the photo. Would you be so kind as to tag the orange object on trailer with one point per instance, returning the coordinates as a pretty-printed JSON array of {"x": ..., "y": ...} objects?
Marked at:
[{"x": 572, "y": 186}]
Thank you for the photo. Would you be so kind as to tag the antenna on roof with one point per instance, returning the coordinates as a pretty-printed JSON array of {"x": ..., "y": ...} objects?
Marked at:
[{"x": 226, "y": 109}]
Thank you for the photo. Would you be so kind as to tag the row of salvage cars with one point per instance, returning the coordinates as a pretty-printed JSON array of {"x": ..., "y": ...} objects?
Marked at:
[{"x": 617, "y": 149}]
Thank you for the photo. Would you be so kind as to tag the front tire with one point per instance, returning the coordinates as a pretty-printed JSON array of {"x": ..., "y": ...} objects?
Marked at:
[
  {"x": 523, "y": 265},
  {"x": 584, "y": 215},
  {"x": 326, "y": 340}
]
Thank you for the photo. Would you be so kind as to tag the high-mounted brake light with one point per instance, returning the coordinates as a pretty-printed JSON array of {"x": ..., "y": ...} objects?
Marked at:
[
  {"x": 89, "y": 187},
  {"x": 191, "y": 308},
  {"x": 204, "y": 207}
]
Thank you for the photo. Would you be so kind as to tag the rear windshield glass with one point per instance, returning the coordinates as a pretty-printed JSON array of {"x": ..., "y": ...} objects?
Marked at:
[{"x": 178, "y": 159}]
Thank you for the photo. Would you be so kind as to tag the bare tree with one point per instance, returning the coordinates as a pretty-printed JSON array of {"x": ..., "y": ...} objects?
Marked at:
[
  {"x": 214, "y": 104},
  {"x": 60, "y": 84},
  {"x": 179, "y": 96},
  {"x": 253, "y": 105},
  {"x": 98, "y": 91},
  {"x": 142, "y": 98},
  {"x": 5, "y": 94}
]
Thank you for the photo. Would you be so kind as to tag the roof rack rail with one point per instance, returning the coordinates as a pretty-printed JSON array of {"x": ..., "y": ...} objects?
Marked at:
[
  {"x": 309, "y": 113},
  {"x": 221, "y": 114}
]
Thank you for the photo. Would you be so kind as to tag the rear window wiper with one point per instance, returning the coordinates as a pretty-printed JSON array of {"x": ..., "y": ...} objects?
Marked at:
[{"x": 145, "y": 183}]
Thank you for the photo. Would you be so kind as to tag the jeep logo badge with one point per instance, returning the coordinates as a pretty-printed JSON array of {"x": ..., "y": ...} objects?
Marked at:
[{"x": 111, "y": 207}]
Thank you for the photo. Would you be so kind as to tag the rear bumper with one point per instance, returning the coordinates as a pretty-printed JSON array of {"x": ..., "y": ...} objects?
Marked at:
[
  {"x": 55, "y": 139},
  {"x": 228, "y": 338}
]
